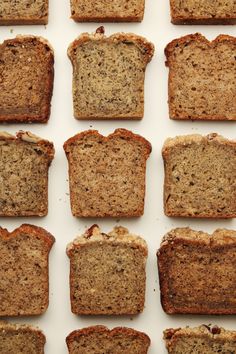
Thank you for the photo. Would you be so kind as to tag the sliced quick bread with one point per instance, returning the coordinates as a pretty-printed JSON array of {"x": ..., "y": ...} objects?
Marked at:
[
  {"x": 107, "y": 272},
  {"x": 21, "y": 339},
  {"x": 101, "y": 340},
  {"x": 108, "y": 75},
  {"x": 24, "y": 163},
  {"x": 200, "y": 176},
  {"x": 107, "y": 11},
  {"x": 24, "y": 285},
  {"x": 200, "y": 340},
  {"x": 26, "y": 79},
  {"x": 107, "y": 174},
  {"x": 204, "y": 12},
  {"x": 197, "y": 272},
  {"x": 202, "y": 78}
]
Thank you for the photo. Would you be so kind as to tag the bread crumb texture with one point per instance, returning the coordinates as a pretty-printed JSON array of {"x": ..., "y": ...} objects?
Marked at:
[
  {"x": 107, "y": 174},
  {"x": 23, "y": 12},
  {"x": 24, "y": 163},
  {"x": 197, "y": 272},
  {"x": 108, "y": 75},
  {"x": 202, "y": 78},
  {"x": 107, "y": 272},
  {"x": 203, "y": 12},
  {"x": 199, "y": 340},
  {"x": 24, "y": 286},
  {"x": 26, "y": 79},
  {"x": 101, "y": 340},
  {"x": 200, "y": 176},
  {"x": 107, "y": 11}
]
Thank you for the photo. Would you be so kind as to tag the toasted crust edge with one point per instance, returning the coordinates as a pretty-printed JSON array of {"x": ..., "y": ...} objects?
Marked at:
[
  {"x": 169, "y": 49},
  {"x": 142, "y": 43},
  {"x": 113, "y": 332},
  {"x": 43, "y": 117},
  {"x": 204, "y": 239}
]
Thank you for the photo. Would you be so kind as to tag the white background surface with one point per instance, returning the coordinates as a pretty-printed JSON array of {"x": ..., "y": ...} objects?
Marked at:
[{"x": 58, "y": 321}]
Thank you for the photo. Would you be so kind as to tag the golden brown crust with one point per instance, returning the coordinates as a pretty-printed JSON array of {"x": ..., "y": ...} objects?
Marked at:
[
  {"x": 28, "y": 137},
  {"x": 127, "y": 134},
  {"x": 112, "y": 333},
  {"x": 33, "y": 230},
  {"x": 146, "y": 47},
  {"x": 46, "y": 108},
  {"x": 203, "y": 21},
  {"x": 24, "y": 21},
  {"x": 196, "y": 37},
  {"x": 77, "y": 18}
]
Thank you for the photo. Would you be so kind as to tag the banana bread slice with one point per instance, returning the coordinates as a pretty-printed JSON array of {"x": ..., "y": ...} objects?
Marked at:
[
  {"x": 101, "y": 340},
  {"x": 197, "y": 272},
  {"x": 23, "y": 12},
  {"x": 203, "y": 12},
  {"x": 202, "y": 78},
  {"x": 26, "y": 79},
  {"x": 203, "y": 339},
  {"x": 107, "y": 11},
  {"x": 107, "y": 272},
  {"x": 21, "y": 339},
  {"x": 107, "y": 174},
  {"x": 108, "y": 75},
  {"x": 200, "y": 176},
  {"x": 24, "y": 163},
  {"x": 24, "y": 285}
]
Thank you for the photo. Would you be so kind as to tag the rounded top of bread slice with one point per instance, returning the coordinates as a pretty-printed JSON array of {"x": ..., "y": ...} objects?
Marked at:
[
  {"x": 146, "y": 47},
  {"x": 119, "y": 235},
  {"x": 44, "y": 146}
]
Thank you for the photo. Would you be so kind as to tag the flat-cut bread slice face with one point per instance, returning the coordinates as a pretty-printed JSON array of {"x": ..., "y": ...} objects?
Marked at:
[
  {"x": 197, "y": 272},
  {"x": 202, "y": 339},
  {"x": 26, "y": 79},
  {"x": 101, "y": 340},
  {"x": 21, "y": 339},
  {"x": 24, "y": 286},
  {"x": 107, "y": 174},
  {"x": 205, "y": 12},
  {"x": 23, "y": 12},
  {"x": 108, "y": 75},
  {"x": 202, "y": 78},
  {"x": 200, "y": 176},
  {"x": 107, "y": 11},
  {"x": 24, "y": 163},
  {"x": 107, "y": 272}
]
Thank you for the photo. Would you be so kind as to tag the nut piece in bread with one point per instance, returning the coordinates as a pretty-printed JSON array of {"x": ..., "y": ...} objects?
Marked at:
[
  {"x": 24, "y": 285},
  {"x": 107, "y": 174},
  {"x": 197, "y": 272},
  {"x": 101, "y": 340},
  {"x": 203, "y": 12},
  {"x": 200, "y": 176},
  {"x": 23, "y": 12},
  {"x": 107, "y": 11},
  {"x": 26, "y": 79},
  {"x": 18, "y": 338},
  {"x": 203, "y": 339},
  {"x": 107, "y": 272},
  {"x": 108, "y": 75},
  {"x": 202, "y": 78},
  {"x": 24, "y": 163}
]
